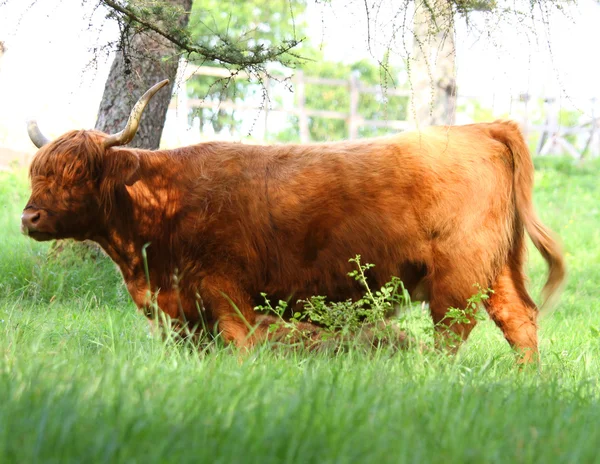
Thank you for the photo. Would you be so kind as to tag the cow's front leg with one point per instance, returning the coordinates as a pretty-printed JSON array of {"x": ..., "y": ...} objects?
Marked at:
[
  {"x": 231, "y": 308},
  {"x": 158, "y": 306}
]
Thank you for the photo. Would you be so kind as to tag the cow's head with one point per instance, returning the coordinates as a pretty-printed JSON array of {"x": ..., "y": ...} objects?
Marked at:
[{"x": 73, "y": 177}]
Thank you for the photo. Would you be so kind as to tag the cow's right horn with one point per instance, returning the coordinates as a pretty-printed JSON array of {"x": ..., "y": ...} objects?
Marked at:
[
  {"x": 35, "y": 134},
  {"x": 127, "y": 134}
]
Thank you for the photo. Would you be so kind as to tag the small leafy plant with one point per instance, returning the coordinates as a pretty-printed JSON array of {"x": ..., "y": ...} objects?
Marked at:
[
  {"x": 466, "y": 315},
  {"x": 344, "y": 320}
]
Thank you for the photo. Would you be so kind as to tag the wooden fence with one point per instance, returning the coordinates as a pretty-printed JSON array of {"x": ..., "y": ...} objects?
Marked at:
[
  {"x": 579, "y": 141},
  {"x": 299, "y": 82}
]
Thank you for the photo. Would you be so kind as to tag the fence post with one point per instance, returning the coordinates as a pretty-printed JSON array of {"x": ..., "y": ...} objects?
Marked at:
[
  {"x": 183, "y": 132},
  {"x": 302, "y": 116},
  {"x": 550, "y": 130},
  {"x": 525, "y": 97},
  {"x": 593, "y": 127},
  {"x": 353, "y": 116},
  {"x": 267, "y": 101}
]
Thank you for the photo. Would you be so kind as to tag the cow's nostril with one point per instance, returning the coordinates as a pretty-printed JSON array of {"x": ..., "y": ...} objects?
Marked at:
[{"x": 31, "y": 219}]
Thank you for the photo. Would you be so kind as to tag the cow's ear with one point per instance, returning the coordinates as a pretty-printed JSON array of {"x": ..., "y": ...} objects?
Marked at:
[{"x": 121, "y": 166}]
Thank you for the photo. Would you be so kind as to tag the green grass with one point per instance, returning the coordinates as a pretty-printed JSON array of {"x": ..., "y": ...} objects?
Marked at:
[{"x": 82, "y": 379}]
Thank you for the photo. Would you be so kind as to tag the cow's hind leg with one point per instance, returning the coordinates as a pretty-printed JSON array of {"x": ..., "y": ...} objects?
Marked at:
[
  {"x": 451, "y": 328},
  {"x": 513, "y": 311}
]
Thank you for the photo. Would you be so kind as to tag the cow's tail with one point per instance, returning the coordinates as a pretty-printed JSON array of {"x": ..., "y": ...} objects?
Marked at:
[{"x": 509, "y": 133}]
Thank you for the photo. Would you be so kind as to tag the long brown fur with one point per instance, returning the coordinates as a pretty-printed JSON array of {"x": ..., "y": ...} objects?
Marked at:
[{"x": 443, "y": 209}]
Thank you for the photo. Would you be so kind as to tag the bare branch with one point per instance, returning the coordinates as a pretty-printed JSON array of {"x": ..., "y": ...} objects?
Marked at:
[{"x": 227, "y": 53}]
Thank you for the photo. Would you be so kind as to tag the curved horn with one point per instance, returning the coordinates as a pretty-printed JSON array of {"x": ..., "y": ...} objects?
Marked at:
[
  {"x": 35, "y": 134},
  {"x": 127, "y": 134}
]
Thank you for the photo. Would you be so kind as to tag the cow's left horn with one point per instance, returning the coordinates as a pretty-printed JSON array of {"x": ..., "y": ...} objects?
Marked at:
[
  {"x": 127, "y": 134},
  {"x": 35, "y": 134}
]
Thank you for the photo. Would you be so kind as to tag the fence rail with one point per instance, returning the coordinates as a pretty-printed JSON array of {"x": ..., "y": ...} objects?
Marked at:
[
  {"x": 552, "y": 136},
  {"x": 579, "y": 140},
  {"x": 299, "y": 82}
]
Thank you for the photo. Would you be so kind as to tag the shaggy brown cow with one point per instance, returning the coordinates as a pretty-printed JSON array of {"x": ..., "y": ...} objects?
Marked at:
[{"x": 443, "y": 209}]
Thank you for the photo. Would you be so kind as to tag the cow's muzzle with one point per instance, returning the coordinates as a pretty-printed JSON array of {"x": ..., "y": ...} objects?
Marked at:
[{"x": 32, "y": 221}]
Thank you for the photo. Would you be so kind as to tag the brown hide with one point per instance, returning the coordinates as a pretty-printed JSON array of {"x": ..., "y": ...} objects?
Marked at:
[{"x": 443, "y": 209}]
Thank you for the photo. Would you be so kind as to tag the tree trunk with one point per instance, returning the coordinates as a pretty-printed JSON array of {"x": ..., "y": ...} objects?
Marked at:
[
  {"x": 143, "y": 60},
  {"x": 432, "y": 65}
]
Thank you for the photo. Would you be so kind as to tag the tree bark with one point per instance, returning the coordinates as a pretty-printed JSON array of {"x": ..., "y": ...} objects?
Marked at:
[
  {"x": 432, "y": 65},
  {"x": 143, "y": 59}
]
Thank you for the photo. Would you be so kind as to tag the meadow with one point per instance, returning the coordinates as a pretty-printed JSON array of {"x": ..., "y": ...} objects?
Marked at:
[{"x": 83, "y": 380}]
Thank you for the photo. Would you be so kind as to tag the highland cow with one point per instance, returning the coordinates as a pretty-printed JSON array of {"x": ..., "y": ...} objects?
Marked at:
[{"x": 442, "y": 209}]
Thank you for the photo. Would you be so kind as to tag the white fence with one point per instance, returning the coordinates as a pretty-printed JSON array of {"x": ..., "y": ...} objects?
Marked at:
[
  {"x": 552, "y": 127},
  {"x": 298, "y": 108},
  {"x": 581, "y": 139},
  {"x": 551, "y": 137}
]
